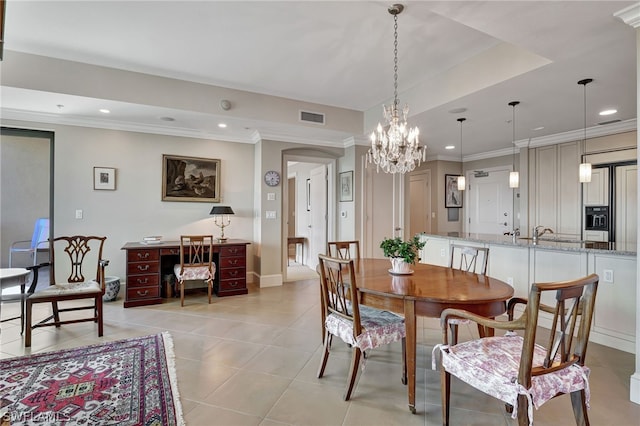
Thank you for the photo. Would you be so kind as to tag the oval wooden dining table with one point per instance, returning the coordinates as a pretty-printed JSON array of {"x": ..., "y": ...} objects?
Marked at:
[{"x": 427, "y": 292}]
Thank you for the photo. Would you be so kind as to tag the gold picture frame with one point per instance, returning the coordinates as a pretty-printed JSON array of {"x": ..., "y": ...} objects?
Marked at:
[{"x": 192, "y": 179}]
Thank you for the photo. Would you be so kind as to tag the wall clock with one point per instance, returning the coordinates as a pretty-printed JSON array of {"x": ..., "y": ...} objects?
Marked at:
[{"x": 272, "y": 178}]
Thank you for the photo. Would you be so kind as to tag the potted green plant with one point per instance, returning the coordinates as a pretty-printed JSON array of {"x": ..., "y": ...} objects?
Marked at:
[{"x": 402, "y": 253}]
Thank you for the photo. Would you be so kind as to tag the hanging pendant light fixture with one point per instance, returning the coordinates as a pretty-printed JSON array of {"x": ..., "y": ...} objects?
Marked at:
[
  {"x": 585, "y": 168},
  {"x": 514, "y": 176},
  {"x": 396, "y": 149},
  {"x": 461, "y": 180}
]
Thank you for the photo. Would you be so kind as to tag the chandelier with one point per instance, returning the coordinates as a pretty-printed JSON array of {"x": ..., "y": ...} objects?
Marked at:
[{"x": 396, "y": 149}]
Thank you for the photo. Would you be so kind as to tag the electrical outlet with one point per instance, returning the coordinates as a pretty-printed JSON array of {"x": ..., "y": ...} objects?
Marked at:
[
  {"x": 608, "y": 275},
  {"x": 442, "y": 253},
  {"x": 78, "y": 214}
]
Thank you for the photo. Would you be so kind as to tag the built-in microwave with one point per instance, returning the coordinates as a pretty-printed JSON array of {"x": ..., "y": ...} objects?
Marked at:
[{"x": 596, "y": 218}]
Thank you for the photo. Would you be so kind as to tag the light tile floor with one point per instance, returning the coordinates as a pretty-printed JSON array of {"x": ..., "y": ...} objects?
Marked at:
[{"x": 252, "y": 360}]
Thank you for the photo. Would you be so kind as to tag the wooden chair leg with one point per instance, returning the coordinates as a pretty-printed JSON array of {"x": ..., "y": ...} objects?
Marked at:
[
  {"x": 27, "y": 330},
  {"x": 100, "y": 316},
  {"x": 325, "y": 355},
  {"x": 353, "y": 372},
  {"x": 181, "y": 293},
  {"x": 445, "y": 394},
  {"x": 579, "y": 404},
  {"x": 56, "y": 313},
  {"x": 523, "y": 416},
  {"x": 209, "y": 286}
]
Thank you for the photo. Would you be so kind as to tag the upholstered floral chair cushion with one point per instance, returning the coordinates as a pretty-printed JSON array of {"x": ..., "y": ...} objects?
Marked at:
[
  {"x": 195, "y": 273},
  {"x": 87, "y": 287},
  {"x": 491, "y": 365},
  {"x": 379, "y": 328}
]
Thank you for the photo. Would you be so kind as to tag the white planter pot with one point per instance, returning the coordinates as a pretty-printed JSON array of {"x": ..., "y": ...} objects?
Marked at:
[{"x": 399, "y": 266}]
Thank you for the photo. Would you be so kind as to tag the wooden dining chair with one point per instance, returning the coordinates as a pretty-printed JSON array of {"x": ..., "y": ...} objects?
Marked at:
[
  {"x": 196, "y": 262},
  {"x": 515, "y": 368},
  {"x": 70, "y": 259},
  {"x": 344, "y": 249},
  {"x": 468, "y": 259},
  {"x": 362, "y": 327}
]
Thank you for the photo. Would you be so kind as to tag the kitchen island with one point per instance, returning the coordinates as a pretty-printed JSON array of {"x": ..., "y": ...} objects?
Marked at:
[{"x": 521, "y": 261}]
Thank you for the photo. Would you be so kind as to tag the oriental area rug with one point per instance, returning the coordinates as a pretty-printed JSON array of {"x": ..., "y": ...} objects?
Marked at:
[{"x": 125, "y": 382}]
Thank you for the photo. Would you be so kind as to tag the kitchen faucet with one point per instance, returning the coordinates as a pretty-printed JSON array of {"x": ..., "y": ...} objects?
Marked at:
[{"x": 537, "y": 234}]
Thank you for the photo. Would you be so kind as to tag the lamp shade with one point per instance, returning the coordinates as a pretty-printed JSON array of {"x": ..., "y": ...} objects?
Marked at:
[{"x": 220, "y": 210}]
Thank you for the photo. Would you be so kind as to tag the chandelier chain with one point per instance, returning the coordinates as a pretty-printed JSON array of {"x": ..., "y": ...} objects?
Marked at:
[{"x": 395, "y": 60}]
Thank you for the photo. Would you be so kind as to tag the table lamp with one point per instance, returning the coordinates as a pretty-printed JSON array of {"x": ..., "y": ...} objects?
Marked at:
[{"x": 219, "y": 213}]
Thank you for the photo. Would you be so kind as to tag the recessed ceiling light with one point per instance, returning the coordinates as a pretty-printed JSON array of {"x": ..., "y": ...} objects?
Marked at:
[
  {"x": 608, "y": 112},
  {"x": 222, "y": 125},
  {"x": 104, "y": 111},
  {"x": 538, "y": 128},
  {"x": 457, "y": 110},
  {"x": 449, "y": 147}
]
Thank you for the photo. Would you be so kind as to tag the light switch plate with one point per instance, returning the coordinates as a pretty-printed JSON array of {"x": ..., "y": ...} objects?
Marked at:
[
  {"x": 271, "y": 196},
  {"x": 270, "y": 214},
  {"x": 78, "y": 214}
]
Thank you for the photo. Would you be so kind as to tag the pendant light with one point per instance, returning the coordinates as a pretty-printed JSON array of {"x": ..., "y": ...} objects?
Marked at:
[
  {"x": 514, "y": 176},
  {"x": 585, "y": 168},
  {"x": 461, "y": 181}
]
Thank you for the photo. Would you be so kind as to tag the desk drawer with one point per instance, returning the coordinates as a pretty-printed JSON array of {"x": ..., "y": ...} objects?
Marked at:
[
  {"x": 232, "y": 262},
  {"x": 138, "y": 293},
  {"x": 232, "y": 273},
  {"x": 232, "y": 251},
  {"x": 171, "y": 251},
  {"x": 143, "y": 255},
  {"x": 143, "y": 268},
  {"x": 142, "y": 280},
  {"x": 231, "y": 285}
]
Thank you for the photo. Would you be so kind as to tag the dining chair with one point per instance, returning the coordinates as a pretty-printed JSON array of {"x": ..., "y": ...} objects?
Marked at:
[
  {"x": 362, "y": 327},
  {"x": 39, "y": 242},
  {"x": 196, "y": 262},
  {"x": 515, "y": 368},
  {"x": 465, "y": 258},
  {"x": 69, "y": 259},
  {"x": 344, "y": 249}
]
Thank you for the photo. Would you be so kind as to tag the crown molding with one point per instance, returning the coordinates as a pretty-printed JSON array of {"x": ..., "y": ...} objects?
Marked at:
[{"x": 630, "y": 15}]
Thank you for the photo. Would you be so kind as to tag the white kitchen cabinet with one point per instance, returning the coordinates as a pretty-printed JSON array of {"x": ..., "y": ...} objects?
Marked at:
[
  {"x": 596, "y": 192},
  {"x": 556, "y": 188}
]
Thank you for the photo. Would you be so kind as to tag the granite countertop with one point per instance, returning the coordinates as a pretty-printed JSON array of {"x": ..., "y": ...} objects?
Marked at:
[{"x": 545, "y": 242}]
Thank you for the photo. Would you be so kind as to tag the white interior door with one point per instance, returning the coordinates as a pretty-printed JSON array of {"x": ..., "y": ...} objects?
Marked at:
[
  {"x": 420, "y": 202},
  {"x": 318, "y": 223},
  {"x": 490, "y": 202}
]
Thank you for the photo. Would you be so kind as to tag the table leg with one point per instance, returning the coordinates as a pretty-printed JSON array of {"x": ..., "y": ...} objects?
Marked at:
[{"x": 410, "y": 326}]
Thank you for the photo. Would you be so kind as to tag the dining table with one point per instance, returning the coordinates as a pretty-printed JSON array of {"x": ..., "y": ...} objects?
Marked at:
[
  {"x": 13, "y": 277},
  {"x": 426, "y": 291}
]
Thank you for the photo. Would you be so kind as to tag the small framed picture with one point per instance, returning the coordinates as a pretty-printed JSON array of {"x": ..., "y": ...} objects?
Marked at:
[
  {"x": 452, "y": 195},
  {"x": 104, "y": 178},
  {"x": 346, "y": 186}
]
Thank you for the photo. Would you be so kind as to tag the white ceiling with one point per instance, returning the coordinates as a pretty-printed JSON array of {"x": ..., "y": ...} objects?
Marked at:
[{"x": 452, "y": 54}]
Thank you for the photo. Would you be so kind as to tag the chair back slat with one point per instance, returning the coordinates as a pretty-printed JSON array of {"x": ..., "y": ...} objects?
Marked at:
[
  {"x": 344, "y": 249},
  {"x": 465, "y": 258},
  {"x": 82, "y": 254},
  {"x": 338, "y": 287},
  {"x": 569, "y": 332},
  {"x": 196, "y": 251}
]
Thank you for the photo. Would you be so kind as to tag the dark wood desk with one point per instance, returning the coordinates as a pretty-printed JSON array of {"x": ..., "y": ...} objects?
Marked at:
[
  {"x": 296, "y": 241},
  {"x": 427, "y": 292},
  {"x": 148, "y": 263}
]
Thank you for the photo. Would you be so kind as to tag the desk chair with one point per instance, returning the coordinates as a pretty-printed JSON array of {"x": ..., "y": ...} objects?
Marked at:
[
  {"x": 516, "y": 369},
  {"x": 465, "y": 258},
  {"x": 196, "y": 262},
  {"x": 39, "y": 241},
  {"x": 362, "y": 327},
  {"x": 67, "y": 282}
]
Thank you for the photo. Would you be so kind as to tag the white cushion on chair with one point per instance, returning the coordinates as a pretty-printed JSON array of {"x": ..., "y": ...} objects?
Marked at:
[
  {"x": 379, "y": 328},
  {"x": 491, "y": 365},
  {"x": 194, "y": 272},
  {"x": 68, "y": 288}
]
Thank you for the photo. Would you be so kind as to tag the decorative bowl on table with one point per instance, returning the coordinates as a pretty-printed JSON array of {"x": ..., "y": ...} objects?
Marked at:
[{"x": 111, "y": 288}]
